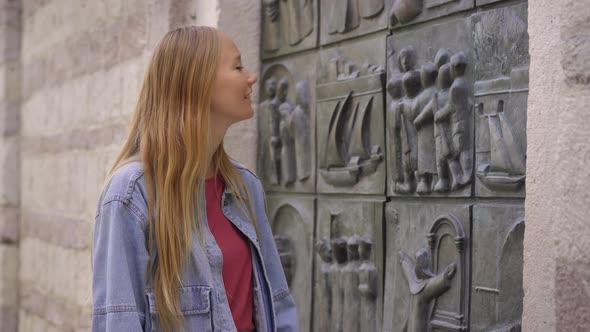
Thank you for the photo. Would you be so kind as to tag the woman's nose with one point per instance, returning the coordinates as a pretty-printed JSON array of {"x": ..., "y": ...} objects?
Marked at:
[{"x": 252, "y": 78}]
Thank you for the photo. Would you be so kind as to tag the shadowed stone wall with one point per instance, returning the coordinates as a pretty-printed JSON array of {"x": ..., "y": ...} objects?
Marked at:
[{"x": 10, "y": 33}]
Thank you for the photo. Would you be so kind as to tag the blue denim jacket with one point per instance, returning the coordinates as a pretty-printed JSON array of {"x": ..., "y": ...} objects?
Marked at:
[{"x": 123, "y": 298}]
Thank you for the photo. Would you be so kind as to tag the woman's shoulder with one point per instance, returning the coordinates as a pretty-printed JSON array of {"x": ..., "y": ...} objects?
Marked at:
[
  {"x": 126, "y": 184},
  {"x": 249, "y": 177}
]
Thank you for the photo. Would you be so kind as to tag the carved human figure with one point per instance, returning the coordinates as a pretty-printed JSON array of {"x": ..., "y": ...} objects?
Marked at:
[
  {"x": 460, "y": 101},
  {"x": 370, "y": 8},
  {"x": 454, "y": 113},
  {"x": 270, "y": 108},
  {"x": 286, "y": 256},
  {"x": 300, "y": 128},
  {"x": 287, "y": 138},
  {"x": 325, "y": 307},
  {"x": 425, "y": 127},
  {"x": 344, "y": 16},
  {"x": 300, "y": 20},
  {"x": 340, "y": 257},
  {"x": 424, "y": 287},
  {"x": 409, "y": 142},
  {"x": 441, "y": 127},
  {"x": 367, "y": 286},
  {"x": 351, "y": 282},
  {"x": 272, "y": 25},
  {"x": 394, "y": 89}
]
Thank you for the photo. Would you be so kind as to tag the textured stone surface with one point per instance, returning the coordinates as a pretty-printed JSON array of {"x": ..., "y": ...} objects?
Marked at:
[{"x": 292, "y": 221}]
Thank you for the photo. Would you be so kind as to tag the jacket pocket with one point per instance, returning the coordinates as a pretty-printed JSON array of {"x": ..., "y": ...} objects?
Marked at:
[{"x": 195, "y": 305}]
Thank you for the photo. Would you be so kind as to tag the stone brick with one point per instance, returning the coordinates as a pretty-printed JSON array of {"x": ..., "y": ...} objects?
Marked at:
[
  {"x": 8, "y": 275},
  {"x": 9, "y": 226},
  {"x": 9, "y": 174},
  {"x": 9, "y": 318},
  {"x": 572, "y": 295}
]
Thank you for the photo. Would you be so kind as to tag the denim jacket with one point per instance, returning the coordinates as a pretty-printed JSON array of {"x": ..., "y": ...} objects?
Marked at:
[{"x": 123, "y": 298}]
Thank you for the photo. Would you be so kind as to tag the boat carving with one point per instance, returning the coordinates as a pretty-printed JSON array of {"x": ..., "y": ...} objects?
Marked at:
[
  {"x": 506, "y": 169},
  {"x": 348, "y": 153}
]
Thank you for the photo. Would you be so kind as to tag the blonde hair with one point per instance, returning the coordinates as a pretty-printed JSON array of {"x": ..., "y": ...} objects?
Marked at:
[{"x": 170, "y": 135}]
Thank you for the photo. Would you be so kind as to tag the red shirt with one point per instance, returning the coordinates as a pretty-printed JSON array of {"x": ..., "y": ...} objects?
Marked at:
[{"x": 237, "y": 261}]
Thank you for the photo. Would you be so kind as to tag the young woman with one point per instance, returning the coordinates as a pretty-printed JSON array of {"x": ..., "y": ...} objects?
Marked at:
[{"x": 181, "y": 240}]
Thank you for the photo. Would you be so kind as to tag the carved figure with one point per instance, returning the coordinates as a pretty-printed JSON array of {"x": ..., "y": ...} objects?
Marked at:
[
  {"x": 403, "y": 11},
  {"x": 270, "y": 107},
  {"x": 325, "y": 308},
  {"x": 300, "y": 128},
  {"x": 346, "y": 14},
  {"x": 370, "y": 8},
  {"x": 298, "y": 25},
  {"x": 288, "y": 159},
  {"x": 425, "y": 127},
  {"x": 300, "y": 20},
  {"x": 441, "y": 127},
  {"x": 394, "y": 89},
  {"x": 460, "y": 101},
  {"x": 409, "y": 142},
  {"x": 351, "y": 292},
  {"x": 424, "y": 286},
  {"x": 367, "y": 286},
  {"x": 283, "y": 244},
  {"x": 272, "y": 25},
  {"x": 340, "y": 256}
]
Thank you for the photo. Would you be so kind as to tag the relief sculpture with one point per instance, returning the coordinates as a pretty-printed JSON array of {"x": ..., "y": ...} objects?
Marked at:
[
  {"x": 286, "y": 132},
  {"x": 349, "y": 285},
  {"x": 428, "y": 124},
  {"x": 424, "y": 287},
  {"x": 348, "y": 152},
  {"x": 286, "y": 21},
  {"x": 346, "y": 15}
]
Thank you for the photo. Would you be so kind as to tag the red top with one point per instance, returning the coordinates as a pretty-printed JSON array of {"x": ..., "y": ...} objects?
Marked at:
[{"x": 237, "y": 262}]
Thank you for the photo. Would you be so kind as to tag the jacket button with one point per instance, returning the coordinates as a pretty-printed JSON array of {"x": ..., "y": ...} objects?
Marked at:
[{"x": 225, "y": 202}]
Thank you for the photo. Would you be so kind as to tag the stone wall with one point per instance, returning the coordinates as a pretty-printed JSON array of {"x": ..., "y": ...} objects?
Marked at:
[
  {"x": 10, "y": 32},
  {"x": 557, "y": 239},
  {"x": 82, "y": 65}
]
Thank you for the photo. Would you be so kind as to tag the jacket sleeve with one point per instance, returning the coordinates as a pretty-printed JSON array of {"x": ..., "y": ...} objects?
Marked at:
[
  {"x": 286, "y": 318},
  {"x": 120, "y": 261}
]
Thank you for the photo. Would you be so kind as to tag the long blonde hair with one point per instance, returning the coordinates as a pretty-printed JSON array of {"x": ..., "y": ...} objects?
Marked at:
[{"x": 170, "y": 135}]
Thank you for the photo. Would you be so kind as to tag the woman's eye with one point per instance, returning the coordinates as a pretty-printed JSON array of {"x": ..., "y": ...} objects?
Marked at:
[{"x": 240, "y": 68}]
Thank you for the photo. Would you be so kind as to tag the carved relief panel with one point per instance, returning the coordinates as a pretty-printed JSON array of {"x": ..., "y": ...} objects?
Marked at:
[
  {"x": 427, "y": 266},
  {"x": 288, "y": 26},
  {"x": 430, "y": 111},
  {"x": 501, "y": 91},
  {"x": 350, "y": 128},
  {"x": 286, "y": 125},
  {"x": 348, "y": 295},
  {"x": 405, "y": 12},
  {"x": 496, "y": 294},
  {"x": 292, "y": 222},
  {"x": 343, "y": 19}
]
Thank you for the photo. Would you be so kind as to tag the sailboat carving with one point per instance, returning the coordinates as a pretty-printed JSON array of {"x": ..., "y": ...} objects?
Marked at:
[
  {"x": 348, "y": 153},
  {"x": 507, "y": 163}
]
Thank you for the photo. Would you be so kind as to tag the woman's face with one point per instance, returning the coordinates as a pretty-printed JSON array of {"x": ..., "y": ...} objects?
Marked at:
[{"x": 232, "y": 86}]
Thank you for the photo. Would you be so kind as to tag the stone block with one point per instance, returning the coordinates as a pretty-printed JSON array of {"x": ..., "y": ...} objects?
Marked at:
[
  {"x": 349, "y": 267},
  {"x": 427, "y": 280},
  {"x": 10, "y": 81},
  {"x": 572, "y": 301},
  {"x": 292, "y": 221},
  {"x": 430, "y": 143},
  {"x": 8, "y": 275},
  {"x": 497, "y": 249},
  {"x": 9, "y": 176},
  {"x": 343, "y": 19},
  {"x": 9, "y": 118},
  {"x": 286, "y": 123},
  {"x": 9, "y": 224},
  {"x": 350, "y": 129},
  {"x": 9, "y": 318},
  {"x": 575, "y": 42}
]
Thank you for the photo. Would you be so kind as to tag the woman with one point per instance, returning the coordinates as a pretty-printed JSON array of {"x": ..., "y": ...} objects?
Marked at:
[{"x": 181, "y": 239}]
